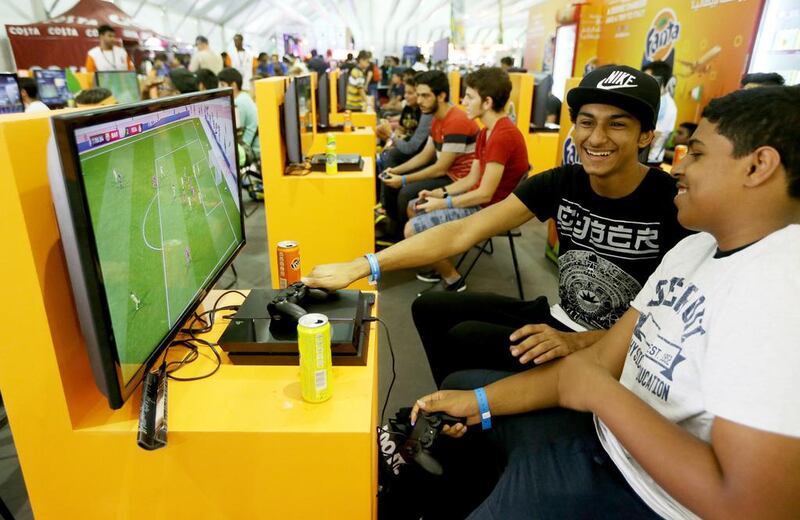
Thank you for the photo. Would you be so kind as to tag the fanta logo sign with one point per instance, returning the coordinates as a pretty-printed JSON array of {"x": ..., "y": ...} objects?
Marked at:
[
  {"x": 570, "y": 152},
  {"x": 295, "y": 264},
  {"x": 617, "y": 79},
  {"x": 661, "y": 38}
]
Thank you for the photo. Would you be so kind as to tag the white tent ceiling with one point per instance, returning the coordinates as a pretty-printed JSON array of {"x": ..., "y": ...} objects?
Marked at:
[{"x": 382, "y": 26}]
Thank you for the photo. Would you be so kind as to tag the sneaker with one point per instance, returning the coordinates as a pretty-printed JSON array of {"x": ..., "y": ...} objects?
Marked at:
[
  {"x": 457, "y": 286},
  {"x": 429, "y": 275}
]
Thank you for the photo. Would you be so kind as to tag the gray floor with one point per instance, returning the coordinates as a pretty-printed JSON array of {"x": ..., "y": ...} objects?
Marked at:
[{"x": 397, "y": 290}]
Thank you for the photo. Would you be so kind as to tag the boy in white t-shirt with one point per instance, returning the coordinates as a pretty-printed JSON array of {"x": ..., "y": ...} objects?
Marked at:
[{"x": 692, "y": 394}]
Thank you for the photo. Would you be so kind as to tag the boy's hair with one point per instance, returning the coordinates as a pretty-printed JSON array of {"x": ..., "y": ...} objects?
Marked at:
[
  {"x": 661, "y": 70},
  {"x": 363, "y": 55},
  {"x": 492, "y": 82},
  {"x": 207, "y": 78},
  {"x": 200, "y": 39},
  {"x": 231, "y": 75},
  {"x": 762, "y": 117},
  {"x": 691, "y": 127},
  {"x": 436, "y": 81},
  {"x": 92, "y": 96},
  {"x": 507, "y": 60},
  {"x": 410, "y": 81},
  {"x": 105, "y": 29},
  {"x": 765, "y": 79},
  {"x": 30, "y": 87}
]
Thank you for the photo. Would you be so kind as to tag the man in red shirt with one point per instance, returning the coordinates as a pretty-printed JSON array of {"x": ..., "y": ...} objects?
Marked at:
[
  {"x": 501, "y": 160},
  {"x": 450, "y": 147}
]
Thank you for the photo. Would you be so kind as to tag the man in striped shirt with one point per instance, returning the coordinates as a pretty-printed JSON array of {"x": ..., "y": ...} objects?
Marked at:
[{"x": 447, "y": 156}]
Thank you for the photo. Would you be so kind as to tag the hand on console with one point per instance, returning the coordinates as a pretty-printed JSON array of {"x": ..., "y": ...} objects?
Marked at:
[{"x": 337, "y": 276}]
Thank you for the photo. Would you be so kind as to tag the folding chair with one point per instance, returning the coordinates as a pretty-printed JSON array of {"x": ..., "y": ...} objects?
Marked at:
[{"x": 488, "y": 248}]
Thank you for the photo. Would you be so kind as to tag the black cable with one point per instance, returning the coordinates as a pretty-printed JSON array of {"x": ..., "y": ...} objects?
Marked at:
[
  {"x": 193, "y": 343},
  {"x": 394, "y": 373}
]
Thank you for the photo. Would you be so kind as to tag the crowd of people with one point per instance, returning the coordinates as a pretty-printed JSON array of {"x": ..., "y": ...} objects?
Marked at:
[{"x": 660, "y": 385}]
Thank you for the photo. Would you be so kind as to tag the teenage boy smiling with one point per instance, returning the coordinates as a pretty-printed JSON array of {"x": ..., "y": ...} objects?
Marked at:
[
  {"x": 615, "y": 220},
  {"x": 692, "y": 394}
]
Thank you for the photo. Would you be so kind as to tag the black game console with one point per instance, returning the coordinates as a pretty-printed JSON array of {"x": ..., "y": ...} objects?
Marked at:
[
  {"x": 264, "y": 329},
  {"x": 347, "y": 162}
]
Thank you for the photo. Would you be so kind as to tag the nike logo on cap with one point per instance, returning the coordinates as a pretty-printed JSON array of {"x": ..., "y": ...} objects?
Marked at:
[{"x": 617, "y": 79}]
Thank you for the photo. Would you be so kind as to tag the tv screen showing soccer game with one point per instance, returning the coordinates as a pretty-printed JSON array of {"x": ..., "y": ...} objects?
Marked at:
[
  {"x": 150, "y": 214},
  {"x": 123, "y": 84},
  {"x": 10, "y": 102},
  {"x": 53, "y": 90}
]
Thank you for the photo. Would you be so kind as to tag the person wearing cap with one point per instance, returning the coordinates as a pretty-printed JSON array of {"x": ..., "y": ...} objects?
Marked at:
[
  {"x": 615, "y": 220},
  {"x": 688, "y": 407}
]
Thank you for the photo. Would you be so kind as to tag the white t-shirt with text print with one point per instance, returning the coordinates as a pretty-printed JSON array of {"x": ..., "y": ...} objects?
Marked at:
[{"x": 716, "y": 337}]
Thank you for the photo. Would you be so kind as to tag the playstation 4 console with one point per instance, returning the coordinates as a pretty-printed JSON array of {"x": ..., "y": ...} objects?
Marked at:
[{"x": 347, "y": 162}]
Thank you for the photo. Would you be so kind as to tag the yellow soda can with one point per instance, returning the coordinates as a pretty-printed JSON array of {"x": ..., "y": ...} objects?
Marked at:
[{"x": 314, "y": 344}]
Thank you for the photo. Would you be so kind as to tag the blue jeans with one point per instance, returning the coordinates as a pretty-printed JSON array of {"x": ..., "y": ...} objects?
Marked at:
[{"x": 553, "y": 466}]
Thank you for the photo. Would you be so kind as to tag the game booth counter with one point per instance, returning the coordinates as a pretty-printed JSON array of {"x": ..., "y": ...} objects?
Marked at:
[{"x": 241, "y": 443}]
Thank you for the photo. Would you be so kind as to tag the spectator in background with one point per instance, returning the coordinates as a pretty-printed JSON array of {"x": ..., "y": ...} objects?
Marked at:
[
  {"x": 679, "y": 136},
  {"x": 296, "y": 66},
  {"x": 183, "y": 81},
  {"x": 246, "y": 112},
  {"x": 506, "y": 63},
  {"x": 95, "y": 97},
  {"x": 107, "y": 56},
  {"x": 204, "y": 57},
  {"x": 357, "y": 84},
  {"x": 396, "y": 93},
  {"x": 206, "y": 80},
  {"x": 762, "y": 79},
  {"x": 349, "y": 62},
  {"x": 160, "y": 67},
  {"x": 262, "y": 67},
  {"x": 242, "y": 60},
  {"x": 667, "y": 112},
  {"x": 316, "y": 63},
  {"x": 553, "y": 109},
  {"x": 226, "y": 60},
  {"x": 277, "y": 67},
  {"x": 406, "y": 135},
  {"x": 29, "y": 94},
  {"x": 419, "y": 65}
]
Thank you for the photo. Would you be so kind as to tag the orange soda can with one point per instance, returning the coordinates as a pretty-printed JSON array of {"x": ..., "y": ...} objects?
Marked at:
[
  {"x": 288, "y": 263},
  {"x": 680, "y": 152},
  {"x": 348, "y": 121}
]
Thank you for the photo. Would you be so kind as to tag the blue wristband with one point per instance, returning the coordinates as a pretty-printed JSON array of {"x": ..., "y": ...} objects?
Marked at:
[
  {"x": 449, "y": 200},
  {"x": 374, "y": 268},
  {"x": 403, "y": 180},
  {"x": 483, "y": 406}
]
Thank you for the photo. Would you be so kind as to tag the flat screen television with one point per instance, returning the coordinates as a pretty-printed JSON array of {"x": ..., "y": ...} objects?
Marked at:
[
  {"x": 150, "y": 214},
  {"x": 53, "y": 90},
  {"x": 323, "y": 100},
  {"x": 290, "y": 124},
  {"x": 10, "y": 100},
  {"x": 341, "y": 89},
  {"x": 123, "y": 84},
  {"x": 305, "y": 112},
  {"x": 542, "y": 88}
]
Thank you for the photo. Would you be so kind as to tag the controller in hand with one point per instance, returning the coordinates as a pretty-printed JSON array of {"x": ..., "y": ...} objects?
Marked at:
[
  {"x": 288, "y": 305},
  {"x": 426, "y": 430}
]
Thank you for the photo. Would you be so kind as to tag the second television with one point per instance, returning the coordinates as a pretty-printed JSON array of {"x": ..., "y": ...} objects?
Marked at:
[{"x": 124, "y": 85}]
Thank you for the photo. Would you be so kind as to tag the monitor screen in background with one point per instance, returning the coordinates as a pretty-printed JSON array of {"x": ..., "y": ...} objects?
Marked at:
[
  {"x": 323, "y": 100},
  {"x": 441, "y": 50},
  {"x": 290, "y": 124},
  {"x": 161, "y": 189},
  {"x": 305, "y": 113},
  {"x": 53, "y": 90},
  {"x": 10, "y": 100},
  {"x": 124, "y": 85}
]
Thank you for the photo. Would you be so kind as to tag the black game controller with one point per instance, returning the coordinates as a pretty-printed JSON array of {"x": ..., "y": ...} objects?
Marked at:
[
  {"x": 426, "y": 429},
  {"x": 383, "y": 175},
  {"x": 286, "y": 308}
]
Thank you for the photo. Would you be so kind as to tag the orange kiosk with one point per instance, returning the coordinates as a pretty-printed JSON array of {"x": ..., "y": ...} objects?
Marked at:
[{"x": 242, "y": 443}]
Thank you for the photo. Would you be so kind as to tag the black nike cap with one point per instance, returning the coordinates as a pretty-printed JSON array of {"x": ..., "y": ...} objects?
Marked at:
[{"x": 621, "y": 86}]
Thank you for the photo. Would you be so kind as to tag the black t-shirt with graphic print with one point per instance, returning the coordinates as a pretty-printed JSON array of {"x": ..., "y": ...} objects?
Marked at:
[{"x": 607, "y": 247}]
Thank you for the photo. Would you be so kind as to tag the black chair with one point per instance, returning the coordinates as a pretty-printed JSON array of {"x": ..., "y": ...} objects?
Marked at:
[{"x": 488, "y": 248}]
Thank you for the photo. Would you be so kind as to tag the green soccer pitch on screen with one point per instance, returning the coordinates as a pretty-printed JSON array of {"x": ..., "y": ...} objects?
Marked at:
[{"x": 156, "y": 186}]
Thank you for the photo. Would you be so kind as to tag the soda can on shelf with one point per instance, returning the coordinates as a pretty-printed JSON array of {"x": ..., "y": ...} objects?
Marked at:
[
  {"x": 348, "y": 121},
  {"x": 680, "y": 152},
  {"x": 288, "y": 263},
  {"x": 314, "y": 345},
  {"x": 331, "y": 166}
]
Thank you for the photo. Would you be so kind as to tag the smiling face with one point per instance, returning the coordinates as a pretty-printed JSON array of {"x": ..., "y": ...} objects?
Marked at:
[
  {"x": 709, "y": 180},
  {"x": 608, "y": 139}
]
